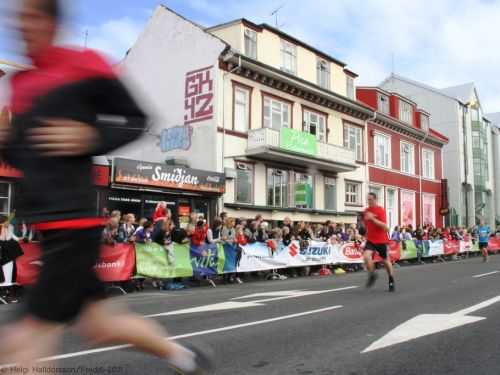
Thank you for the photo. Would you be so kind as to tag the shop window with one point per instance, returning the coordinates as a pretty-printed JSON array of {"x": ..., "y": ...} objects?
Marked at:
[
  {"x": 277, "y": 187},
  {"x": 5, "y": 198},
  {"x": 244, "y": 183},
  {"x": 330, "y": 194},
  {"x": 303, "y": 191}
]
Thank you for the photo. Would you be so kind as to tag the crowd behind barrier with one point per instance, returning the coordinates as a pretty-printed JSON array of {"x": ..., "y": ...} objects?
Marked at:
[{"x": 157, "y": 250}]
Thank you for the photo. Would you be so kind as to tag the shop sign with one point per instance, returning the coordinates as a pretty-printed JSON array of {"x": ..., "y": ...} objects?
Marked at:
[
  {"x": 297, "y": 141},
  {"x": 133, "y": 172}
]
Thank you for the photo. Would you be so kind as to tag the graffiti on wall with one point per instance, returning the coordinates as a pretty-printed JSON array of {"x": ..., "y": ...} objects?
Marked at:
[{"x": 199, "y": 94}]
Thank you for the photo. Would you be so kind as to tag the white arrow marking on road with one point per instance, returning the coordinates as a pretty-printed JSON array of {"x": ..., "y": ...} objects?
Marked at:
[
  {"x": 232, "y": 305},
  {"x": 486, "y": 274},
  {"x": 428, "y": 324},
  {"x": 183, "y": 336}
]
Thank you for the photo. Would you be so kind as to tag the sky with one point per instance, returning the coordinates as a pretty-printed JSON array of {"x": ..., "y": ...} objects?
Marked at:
[{"x": 440, "y": 42}]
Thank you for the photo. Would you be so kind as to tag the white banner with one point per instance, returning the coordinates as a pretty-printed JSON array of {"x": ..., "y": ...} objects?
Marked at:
[
  {"x": 436, "y": 248},
  {"x": 259, "y": 257}
]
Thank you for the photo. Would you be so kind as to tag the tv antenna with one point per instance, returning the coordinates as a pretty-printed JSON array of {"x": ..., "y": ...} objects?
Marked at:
[
  {"x": 86, "y": 39},
  {"x": 275, "y": 14}
]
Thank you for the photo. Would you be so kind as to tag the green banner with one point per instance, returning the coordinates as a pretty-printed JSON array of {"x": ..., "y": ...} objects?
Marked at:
[
  {"x": 408, "y": 250},
  {"x": 297, "y": 141},
  {"x": 153, "y": 260}
]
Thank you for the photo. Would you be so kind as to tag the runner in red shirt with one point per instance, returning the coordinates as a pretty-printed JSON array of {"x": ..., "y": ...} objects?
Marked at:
[{"x": 377, "y": 240}]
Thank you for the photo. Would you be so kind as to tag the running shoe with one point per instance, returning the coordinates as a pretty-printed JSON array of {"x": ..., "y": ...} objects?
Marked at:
[
  {"x": 203, "y": 359},
  {"x": 392, "y": 286},
  {"x": 372, "y": 278}
]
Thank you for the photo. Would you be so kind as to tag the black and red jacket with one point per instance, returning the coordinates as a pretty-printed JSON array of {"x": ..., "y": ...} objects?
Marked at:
[{"x": 79, "y": 85}]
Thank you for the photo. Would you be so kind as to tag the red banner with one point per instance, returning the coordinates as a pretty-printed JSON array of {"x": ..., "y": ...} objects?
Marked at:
[
  {"x": 494, "y": 244},
  {"x": 394, "y": 252},
  {"x": 116, "y": 263},
  {"x": 28, "y": 265},
  {"x": 451, "y": 247}
]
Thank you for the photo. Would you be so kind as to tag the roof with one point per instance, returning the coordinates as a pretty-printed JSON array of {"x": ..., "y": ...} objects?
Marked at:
[
  {"x": 419, "y": 84},
  {"x": 279, "y": 32},
  {"x": 462, "y": 93},
  {"x": 494, "y": 118},
  {"x": 439, "y": 135}
]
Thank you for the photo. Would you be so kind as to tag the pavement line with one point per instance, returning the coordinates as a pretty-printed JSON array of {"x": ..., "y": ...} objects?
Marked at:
[
  {"x": 186, "y": 335},
  {"x": 486, "y": 274},
  {"x": 479, "y": 306}
]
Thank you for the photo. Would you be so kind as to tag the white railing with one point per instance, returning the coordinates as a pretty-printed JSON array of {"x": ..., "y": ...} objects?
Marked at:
[{"x": 266, "y": 137}]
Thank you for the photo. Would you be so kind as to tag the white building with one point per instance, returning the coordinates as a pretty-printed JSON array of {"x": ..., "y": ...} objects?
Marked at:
[
  {"x": 468, "y": 157},
  {"x": 275, "y": 115}
]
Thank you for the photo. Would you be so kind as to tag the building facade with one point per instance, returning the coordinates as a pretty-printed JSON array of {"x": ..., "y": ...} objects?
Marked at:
[
  {"x": 456, "y": 112},
  {"x": 278, "y": 118},
  {"x": 404, "y": 160}
]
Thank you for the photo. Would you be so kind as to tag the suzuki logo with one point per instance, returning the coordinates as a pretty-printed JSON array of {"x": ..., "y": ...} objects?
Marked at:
[{"x": 292, "y": 250}]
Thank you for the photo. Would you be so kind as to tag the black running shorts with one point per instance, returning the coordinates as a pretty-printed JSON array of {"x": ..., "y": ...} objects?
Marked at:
[
  {"x": 381, "y": 248},
  {"x": 483, "y": 245},
  {"x": 67, "y": 280}
]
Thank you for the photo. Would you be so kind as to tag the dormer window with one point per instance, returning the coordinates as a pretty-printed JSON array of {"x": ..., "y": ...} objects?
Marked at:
[
  {"x": 251, "y": 43},
  {"x": 383, "y": 103},
  {"x": 424, "y": 122},
  {"x": 405, "y": 112}
]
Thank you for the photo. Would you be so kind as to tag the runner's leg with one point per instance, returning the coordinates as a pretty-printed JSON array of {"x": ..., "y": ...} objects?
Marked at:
[{"x": 370, "y": 267}]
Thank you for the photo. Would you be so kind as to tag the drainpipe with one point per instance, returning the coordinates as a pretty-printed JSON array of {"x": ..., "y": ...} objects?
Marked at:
[
  {"x": 367, "y": 168},
  {"x": 466, "y": 165},
  {"x": 224, "y": 76},
  {"x": 421, "y": 143}
]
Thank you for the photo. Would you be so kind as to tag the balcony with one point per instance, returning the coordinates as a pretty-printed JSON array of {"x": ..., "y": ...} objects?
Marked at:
[{"x": 299, "y": 148}]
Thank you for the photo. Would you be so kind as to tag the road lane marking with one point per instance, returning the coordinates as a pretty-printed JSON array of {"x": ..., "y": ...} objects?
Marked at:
[
  {"x": 233, "y": 305},
  {"x": 486, "y": 274},
  {"x": 187, "y": 335},
  {"x": 428, "y": 324}
]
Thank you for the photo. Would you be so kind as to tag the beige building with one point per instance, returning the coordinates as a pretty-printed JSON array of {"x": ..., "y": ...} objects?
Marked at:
[
  {"x": 275, "y": 115},
  {"x": 290, "y": 131}
]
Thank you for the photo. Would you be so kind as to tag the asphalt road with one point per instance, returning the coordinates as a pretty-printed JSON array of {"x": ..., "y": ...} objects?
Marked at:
[{"x": 325, "y": 325}]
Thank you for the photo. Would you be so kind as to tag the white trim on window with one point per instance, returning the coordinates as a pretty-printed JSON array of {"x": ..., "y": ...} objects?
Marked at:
[
  {"x": 383, "y": 103},
  {"x": 241, "y": 109},
  {"x": 405, "y": 112},
  {"x": 384, "y": 160},
  {"x": 428, "y": 167},
  {"x": 288, "y": 57},
  {"x": 353, "y": 196},
  {"x": 250, "y": 40},
  {"x": 276, "y": 110},
  {"x": 407, "y": 157}
]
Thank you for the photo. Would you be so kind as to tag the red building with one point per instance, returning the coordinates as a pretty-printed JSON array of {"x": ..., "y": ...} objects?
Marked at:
[{"x": 404, "y": 159}]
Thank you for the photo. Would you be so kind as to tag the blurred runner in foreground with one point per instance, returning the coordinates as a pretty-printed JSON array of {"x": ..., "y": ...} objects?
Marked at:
[{"x": 69, "y": 107}]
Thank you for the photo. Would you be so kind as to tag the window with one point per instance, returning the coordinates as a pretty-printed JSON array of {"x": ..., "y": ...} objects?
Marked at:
[
  {"x": 424, "y": 122},
  {"x": 276, "y": 114},
  {"x": 353, "y": 193},
  {"x": 251, "y": 43},
  {"x": 391, "y": 208},
  {"x": 244, "y": 183},
  {"x": 350, "y": 87},
  {"x": 428, "y": 163},
  {"x": 4, "y": 198},
  {"x": 407, "y": 158},
  {"x": 379, "y": 192},
  {"x": 405, "y": 112},
  {"x": 323, "y": 73},
  {"x": 383, "y": 103},
  {"x": 408, "y": 216},
  {"x": 277, "y": 187},
  {"x": 353, "y": 140},
  {"x": 315, "y": 124},
  {"x": 303, "y": 191},
  {"x": 330, "y": 194},
  {"x": 288, "y": 57},
  {"x": 241, "y": 109},
  {"x": 429, "y": 209},
  {"x": 382, "y": 145}
]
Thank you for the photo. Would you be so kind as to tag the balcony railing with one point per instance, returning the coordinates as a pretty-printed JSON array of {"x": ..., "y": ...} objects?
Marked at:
[{"x": 265, "y": 138}]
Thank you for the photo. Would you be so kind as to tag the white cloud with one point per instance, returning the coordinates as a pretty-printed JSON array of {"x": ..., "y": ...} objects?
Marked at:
[
  {"x": 113, "y": 37},
  {"x": 445, "y": 43},
  {"x": 442, "y": 43}
]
